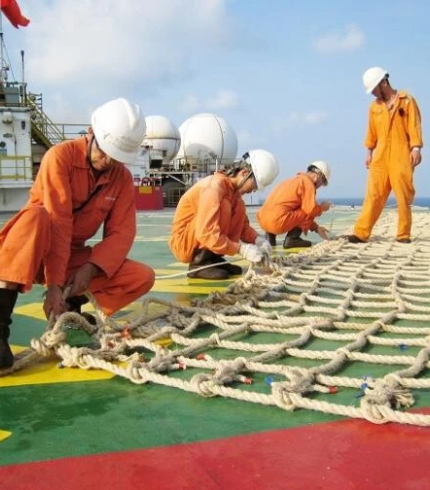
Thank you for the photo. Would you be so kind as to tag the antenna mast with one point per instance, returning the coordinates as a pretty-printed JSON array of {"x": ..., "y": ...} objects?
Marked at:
[{"x": 3, "y": 67}]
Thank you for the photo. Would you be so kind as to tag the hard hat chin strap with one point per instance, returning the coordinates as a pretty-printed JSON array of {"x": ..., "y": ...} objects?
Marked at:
[
  {"x": 89, "y": 151},
  {"x": 245, "y": 179},
  {"x": 321, "y": 177}
]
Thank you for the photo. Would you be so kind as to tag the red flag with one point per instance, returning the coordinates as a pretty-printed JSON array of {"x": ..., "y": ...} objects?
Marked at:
[{"x": 11, "y": 10}]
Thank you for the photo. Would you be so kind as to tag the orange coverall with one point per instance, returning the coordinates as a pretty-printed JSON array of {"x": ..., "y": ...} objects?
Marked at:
[
  {"x": 45, "y": 241},
  {"x": 391, "y": 135},
  {"x": 210, "y": 215},
  {"x": 292, "y": 203}
]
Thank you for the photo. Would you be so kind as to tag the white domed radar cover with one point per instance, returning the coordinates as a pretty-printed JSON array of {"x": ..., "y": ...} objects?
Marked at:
[
  {"x": 207, "y": 135},
  {"x": 162, "y": 134}
]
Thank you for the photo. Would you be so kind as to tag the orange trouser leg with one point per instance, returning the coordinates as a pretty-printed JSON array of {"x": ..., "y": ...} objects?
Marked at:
[
  {"x": 403, "y": 188},
  {"x": 378, "y": 190},
  {"x": 131, "y": 281},
  {"x": 289, "y": 220},
  {"x": 25, "y": 240}
]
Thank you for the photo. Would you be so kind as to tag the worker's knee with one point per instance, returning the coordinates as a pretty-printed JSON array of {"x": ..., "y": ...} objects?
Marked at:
[{"x": 145, "y": 278}]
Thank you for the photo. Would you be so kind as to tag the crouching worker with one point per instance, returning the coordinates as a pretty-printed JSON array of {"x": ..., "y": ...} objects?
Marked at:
[
  {"x": 291, "y": 207},
  {"x": 210, "y": 220},
  {"x": 81, "y": 185}
]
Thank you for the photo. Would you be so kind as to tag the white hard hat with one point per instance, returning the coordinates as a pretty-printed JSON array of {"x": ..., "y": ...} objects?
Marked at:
[
  {"x": 372, "y": 77},
  {"x": 264, "y": 166},
  {"x": 119, "y": 128},
  {"x": 321, "y": 167}
]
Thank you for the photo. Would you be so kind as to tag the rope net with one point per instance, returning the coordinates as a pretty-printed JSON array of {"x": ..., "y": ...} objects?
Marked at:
[{"x": 341, "y": 328}]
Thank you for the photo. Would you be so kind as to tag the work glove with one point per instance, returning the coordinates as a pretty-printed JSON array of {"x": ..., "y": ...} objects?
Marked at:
[
  {"x": 250, "y": 252},
  {"x": 264, "y": 245},
  {"x": 323, "y": 232}
]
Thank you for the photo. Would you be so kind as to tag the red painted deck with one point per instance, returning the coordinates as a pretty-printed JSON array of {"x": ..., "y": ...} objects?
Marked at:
[{"x": 337, "y": 456}]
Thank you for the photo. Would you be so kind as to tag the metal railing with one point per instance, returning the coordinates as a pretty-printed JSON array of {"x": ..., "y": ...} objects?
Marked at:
[
  {"x": 15, "y": 170},
  {"x": 43, "y": 129}
]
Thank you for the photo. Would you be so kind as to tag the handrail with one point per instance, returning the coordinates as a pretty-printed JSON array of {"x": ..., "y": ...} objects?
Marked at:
[
  {"x": 44, "y": 130},
  {"x": 15, "y": 168},
  {"x": 42, "y": 122}
]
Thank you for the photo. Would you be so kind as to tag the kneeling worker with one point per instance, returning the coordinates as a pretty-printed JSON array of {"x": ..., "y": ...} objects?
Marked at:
[
  {"x": 291, "y": 207},
  {"x": 81, "y": 185},
  {"x": 210, "y": 220}
]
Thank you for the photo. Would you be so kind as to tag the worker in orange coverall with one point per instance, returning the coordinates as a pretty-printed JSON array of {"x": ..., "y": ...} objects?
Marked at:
[
  {"x": 291, "y": 207},
  {"x": 210, "y": 220},
  {"x": 394, "y": 143},
  {"x": 81, "y": 185}
]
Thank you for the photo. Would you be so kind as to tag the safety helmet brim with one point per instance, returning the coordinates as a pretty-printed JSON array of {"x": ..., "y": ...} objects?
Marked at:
[{"x": 113, "y": 152}]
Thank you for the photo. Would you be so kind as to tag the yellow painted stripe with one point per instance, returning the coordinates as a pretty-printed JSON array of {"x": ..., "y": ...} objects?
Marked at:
[
  {"x": 48, "y": 372},
  {"x": 4, "y": 434},
  {"x": 35, "y": 310},
  {"x": 162, "y": 287},
  {"x": 181, "y": 265},
  {"x": 186, "y": 282}
]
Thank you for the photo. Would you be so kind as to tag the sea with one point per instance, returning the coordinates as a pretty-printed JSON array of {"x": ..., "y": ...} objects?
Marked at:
[{"x": 353, "y": 202}]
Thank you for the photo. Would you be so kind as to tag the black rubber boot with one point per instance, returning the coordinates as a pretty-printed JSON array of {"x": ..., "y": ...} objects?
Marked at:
[
  {"x": 7, "y": 303},
  {"x": 232, "y": 269},
  {"x": 271, "y": 238},
  {"x": 74, "y": 304},
  {"x": 204, "y": 257},
  {"x": 403, "y": 240},
  {"x": 354, "y": 239},
  {"x": 293, "y": 240}
]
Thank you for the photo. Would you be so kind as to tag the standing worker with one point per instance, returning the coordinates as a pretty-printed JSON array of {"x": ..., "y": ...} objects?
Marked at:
[
  {"x": 291, "y": 207},
  {"x": 210, "y": 220},
  {"x": 394, "y": 143},
  {"x": 81, "y": 185}
]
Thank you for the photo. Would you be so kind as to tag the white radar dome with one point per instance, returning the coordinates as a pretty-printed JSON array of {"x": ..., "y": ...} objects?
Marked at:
[
  {"x": 207, "y": 137},
  {"x": 162, "y": 136}
]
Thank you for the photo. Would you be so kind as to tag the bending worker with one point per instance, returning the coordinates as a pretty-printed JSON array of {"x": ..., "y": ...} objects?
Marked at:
[
  {"x": 210, "y": 220},
  {"x": 291, "y": 207},
  {"x": 394, "y": 143},
  {"x": 81, "y": 185}
]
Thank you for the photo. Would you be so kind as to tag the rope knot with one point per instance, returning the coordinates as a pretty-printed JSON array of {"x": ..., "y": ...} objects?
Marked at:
[
  {"x": 137, "y": 373},
  {"x": 161, "y": 363},
  {"x": 384, "y": 397},
  {"x": 202, "y": 383},
  {"x": 283, "y": 397},
  {"x": 299, "y": 381}
]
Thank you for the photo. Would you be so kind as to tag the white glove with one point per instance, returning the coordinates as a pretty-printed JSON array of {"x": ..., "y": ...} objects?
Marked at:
[
  {"x": 251, "y": 252},
  {"x": 323, "y": 233},
  {"x": 264, "y": 244}
]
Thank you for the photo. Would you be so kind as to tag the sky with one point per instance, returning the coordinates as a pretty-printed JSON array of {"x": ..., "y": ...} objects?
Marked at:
[{"x": 285, "y": 74}]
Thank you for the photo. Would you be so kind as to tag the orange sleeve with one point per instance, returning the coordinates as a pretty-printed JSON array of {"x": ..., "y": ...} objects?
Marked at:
[
  {"x": 414, "y": 124},
  {"x": 208, "y": 231},
  {"x": 306, "y": 190},
  {"x": 119, "y": 230},
  {"x": 53, "y": 188},
  {"x": 371, "y": 135},
  {"x": 248, "y": 234}
]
